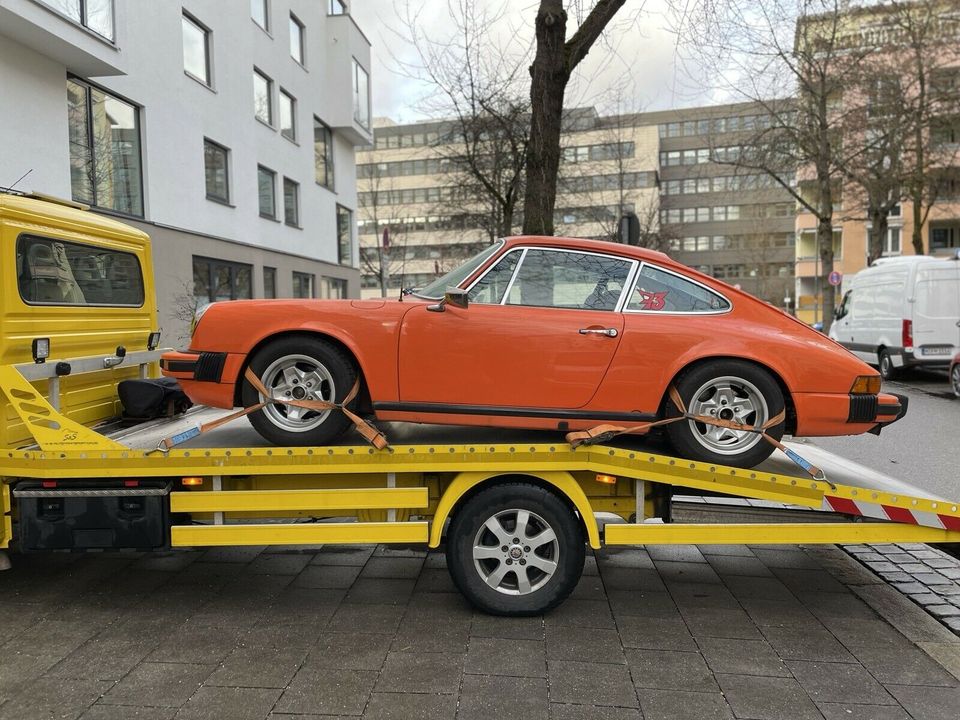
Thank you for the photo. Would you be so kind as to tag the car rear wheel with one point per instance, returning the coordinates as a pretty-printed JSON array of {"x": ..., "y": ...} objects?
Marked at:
[
  {"x": 955, "y": 379},
  {"x": 515, "y": 549},
  {"x": 888, "y": 370},
  {"x": 729, "y": 390},
  {"x": 300, "y": 368}
]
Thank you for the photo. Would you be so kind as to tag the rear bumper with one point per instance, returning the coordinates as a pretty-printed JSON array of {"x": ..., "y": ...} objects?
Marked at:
[{"x": 822, "y": 414}]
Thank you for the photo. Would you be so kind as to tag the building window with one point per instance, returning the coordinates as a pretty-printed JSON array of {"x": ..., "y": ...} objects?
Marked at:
[
  {"x": 288, "y": 115},
  {"x": 216, "y": 280},
  {"x": 361, "y": 95},
  {"x": 104, "y": 133},
  {"x": 344, "y": 238},
  {"x": 291, "y": 202},
  {"x": 333, "y": 288},
  {"x": 196, "y": 50},
  {"x": 215, "y": 167},
  {"x": 269, "y": 282},
  {"x": 260, "y": 12},
  {"x": 96, "y": 15},
  {"x": 266, "y": 182},
  {"x": 323, "y": 153},
  {"x": 892, "y": 244},
  {"x": 296, "y": 39},
  {"x": 303, "y": 285},
  {"x": 263, "y": 97},
  {"x": 338, "y": 7}
]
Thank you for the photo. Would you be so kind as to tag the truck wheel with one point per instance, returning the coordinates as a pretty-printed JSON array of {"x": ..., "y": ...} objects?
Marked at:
[
  {"x": 515, "y": 549},
  {"x": 302, "y": 368},
  {"x": 729, "y": 390},
  {"x": 887, "y": 369}
]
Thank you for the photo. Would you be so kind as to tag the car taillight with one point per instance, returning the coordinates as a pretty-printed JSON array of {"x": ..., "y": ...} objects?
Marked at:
[{"x": 907, "y": 335}]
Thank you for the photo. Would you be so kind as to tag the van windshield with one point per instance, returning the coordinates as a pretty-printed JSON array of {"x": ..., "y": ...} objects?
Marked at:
[{"x": 57, "y": 272}]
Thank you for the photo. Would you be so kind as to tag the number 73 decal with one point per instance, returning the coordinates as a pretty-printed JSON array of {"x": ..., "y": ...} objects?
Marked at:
[{"x": 652, "y": 300}]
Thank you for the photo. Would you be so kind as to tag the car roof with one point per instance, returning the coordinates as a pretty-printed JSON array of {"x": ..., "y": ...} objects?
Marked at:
[{"x": 604, "y": 246}]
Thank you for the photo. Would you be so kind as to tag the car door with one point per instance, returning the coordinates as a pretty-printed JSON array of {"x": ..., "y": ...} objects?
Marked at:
[{"x": 540, "y": 331}]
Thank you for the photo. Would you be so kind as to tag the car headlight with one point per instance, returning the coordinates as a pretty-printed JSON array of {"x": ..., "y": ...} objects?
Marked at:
[{"x": 197, "y": 316}]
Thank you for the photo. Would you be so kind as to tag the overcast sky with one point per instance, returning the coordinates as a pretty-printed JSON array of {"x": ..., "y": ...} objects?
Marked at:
[{"x": 638, "y": 55}]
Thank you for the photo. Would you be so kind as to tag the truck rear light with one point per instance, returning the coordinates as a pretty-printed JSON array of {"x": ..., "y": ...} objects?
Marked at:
[
  {"x": 907, "y": 335},
  {"x": 131, "y": 483},
  {"x": 606, "y": 479},
  {"x": 192, "y": 481},
  {"x": 48, "y": 484}
]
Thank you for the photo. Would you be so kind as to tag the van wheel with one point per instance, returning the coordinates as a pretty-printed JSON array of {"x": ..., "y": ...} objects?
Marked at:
[
  {"x": 887, "y": 369},
  {"x": 955, "y": 379},
  {"x": 515, "y": 549},
  {"x": 301, "y": 368}
]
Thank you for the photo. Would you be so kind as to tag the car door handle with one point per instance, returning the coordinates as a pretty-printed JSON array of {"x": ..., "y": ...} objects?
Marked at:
[{"x": 609, "y": 332}]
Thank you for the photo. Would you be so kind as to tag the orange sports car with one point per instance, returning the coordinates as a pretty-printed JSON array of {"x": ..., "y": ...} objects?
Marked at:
[{"x": 544, "y": 333}]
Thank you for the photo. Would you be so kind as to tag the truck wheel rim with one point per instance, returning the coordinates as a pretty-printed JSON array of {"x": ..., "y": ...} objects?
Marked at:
[
  {"x": 955, "y": 379},
  {"x": 728, "y": 398},
  {"x": 516, "y": 552},
  {"x": 297, "y": 377}
]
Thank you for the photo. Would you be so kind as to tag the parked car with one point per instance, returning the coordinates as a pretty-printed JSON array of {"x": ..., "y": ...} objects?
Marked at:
[
  {"x": 955, "y": 375},
  {"x": 902, "y": 312},
  {"x": 541, "y": 333}
]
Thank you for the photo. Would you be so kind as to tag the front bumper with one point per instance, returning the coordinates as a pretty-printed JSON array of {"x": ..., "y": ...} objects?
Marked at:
[{"x": 185, "y": 365}]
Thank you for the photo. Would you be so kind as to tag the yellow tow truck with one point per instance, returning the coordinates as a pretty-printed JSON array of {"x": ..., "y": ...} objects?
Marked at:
[{"x": 515, "y": 510}]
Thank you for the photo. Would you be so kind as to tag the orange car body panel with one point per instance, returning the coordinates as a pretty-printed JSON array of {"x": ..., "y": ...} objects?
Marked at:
[{"x": 487, "y": 359}]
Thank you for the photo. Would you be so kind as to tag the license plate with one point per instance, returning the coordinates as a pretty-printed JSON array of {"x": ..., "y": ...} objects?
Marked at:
[{"x": 942, "y": 350}]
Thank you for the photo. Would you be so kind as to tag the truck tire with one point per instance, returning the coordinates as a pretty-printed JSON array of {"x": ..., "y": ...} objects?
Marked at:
[
  {"x": 888, "y": 370},
  {"x": 303, "y": 368},
  {"x": 731, "y": 390},
  {"x": 515, "y": 549}
]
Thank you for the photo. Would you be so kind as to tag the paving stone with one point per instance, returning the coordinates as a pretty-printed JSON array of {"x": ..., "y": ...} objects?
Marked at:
[
  {"x": 584, "y": 644},
  {"x": 483, "y": 697},
  {"x": 589, "y": 588},
  {"x": 278, "y": 564},
  {"x": 850, "y": 711},
  {"x": 400, "y": 551},
  {"x": 943, "y": 611},
  {"x": 808, "y": 581},
  {"x": 351, "y": 650},
  {"x": 398, "y": 568},
  {"x": 951, "y": 573},
  {"x": 675, "y": 553},
  {"x": 643, "y": 604},
  {"x": 783, "y": 558},
  {"x": 344, "y": 555},
  {"x": 839, "y": 682},
  {"x": 259, "y": 667},
  {"x": 590, "y": 683},
  {"x": 925, "y": 598},
  {"x": 902, "y": 663},
  {"x": 327, "y": 691},
  {"x": 932, "y": 578},
  {"x": 767, "y": 698},
  {"x": 741, "y": 550},
  {"x": 127, "y": 712},
  {"x": 590, "y": 566},
  {"x": 947, "y": 654},
  {"x": 238, "y": 554},
  {"x": 368, "y": 618},
  {"x": 236, "y": 703},
  {"x": 420, "y": 673},
  {"x": 741, "y": 657},
  {"x": 720, "y": 622},
  {"x": 158, "y": 684},
  {"x": 517, "y": 658},
  {"x": 677, "y": 705},
  {"x": 905, "y": 617},
  {"x": 897, "y": 577},
  {"x": 509, "y": 628},
  {"x": 52, "y": 637},
  {"x": 449, "y": 635},
  {"x": 327, "y": 576},
  {"x": 947, "y": 590},
  {"x": 632, "y": 579},
  {"x": 582, "y": 613},
  {"x": 631, "y": 557},
  {"x": 927, "y": 703},
  {"x": 410, "y": 706},
  {"x": 913, "y": 567},
  {"x": 807, "y": 643},
  {"x": 197, "y": 644},
  {"x": 703, "y": 595},
  {"x": 900, "y": 558},
  {"x": 940, "y": 563},
  {"x": 670, "y": 670},
  {"x": 687, "y": 572},
  {"x": 738, "y": 565},
  {"x": 882, "y": 566},
  {"x": 911, "y": 587},
  {"x": 107, "y": 659},
  {"x": 868, "y": 556},
  {"x": 380, "y": 591},
  {"x": 434, "y": 581},
  {"x": 45, "y": 698},
  {"x": 758, "y": 588},
  {"x": 666, "y": 633}
]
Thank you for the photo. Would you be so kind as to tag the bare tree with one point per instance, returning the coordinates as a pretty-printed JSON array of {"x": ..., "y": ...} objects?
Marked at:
[
  {"x": 388, "y": 253},
  {"x": 553, "y": 65}
]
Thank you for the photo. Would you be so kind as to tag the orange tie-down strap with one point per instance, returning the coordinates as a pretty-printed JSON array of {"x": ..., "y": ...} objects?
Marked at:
[
  {"x": 370, "y": 433},
  {"x": 602, "y": 433}
]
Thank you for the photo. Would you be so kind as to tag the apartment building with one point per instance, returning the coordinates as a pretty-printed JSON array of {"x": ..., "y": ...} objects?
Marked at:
[
  {"x": 227, "y": 131},
  {"x": 666, "y": 167}
]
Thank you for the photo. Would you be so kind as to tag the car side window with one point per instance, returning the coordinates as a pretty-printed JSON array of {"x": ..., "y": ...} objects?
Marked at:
[
  {"x": 658, "y": 290},
  {"x": 491, "y": 287},
  {"x": 574, "y": 280}
]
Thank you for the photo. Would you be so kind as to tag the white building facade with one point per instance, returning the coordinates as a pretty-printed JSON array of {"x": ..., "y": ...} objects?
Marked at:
[{"x": 226, "y": 130}]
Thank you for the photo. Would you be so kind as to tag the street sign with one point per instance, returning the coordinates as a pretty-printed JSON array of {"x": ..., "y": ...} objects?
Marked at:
[{"x": 835, "y": 278}]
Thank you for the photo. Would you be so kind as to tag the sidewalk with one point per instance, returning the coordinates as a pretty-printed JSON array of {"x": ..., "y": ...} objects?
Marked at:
[{"x": 667, "y": 632}]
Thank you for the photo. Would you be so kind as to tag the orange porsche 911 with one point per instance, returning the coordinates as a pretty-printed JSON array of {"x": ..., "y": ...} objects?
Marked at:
[{"x": 542, "y": 333}]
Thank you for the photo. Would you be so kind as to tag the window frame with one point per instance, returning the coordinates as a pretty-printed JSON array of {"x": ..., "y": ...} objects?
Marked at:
[
  {"x": 281, "y": 96},
  {"x": 207, "y": 47},
  {"x": 296, "y": 203},
  {"x": 225, "y": 200},
  {"x": 233, "y": 266},
  {"x": 266, "y": 15},
  {"x": 313, "y": 284},
  {"x": 341, "y": 4},
  {"x": 359, "y": 103},
  {"x": 273, "y": 185},
  {"x": 84, "y": 18},
  {"x": 272, "y": 272},
  {"x": 301, "y": 40},
  {"x": 341, "y": 260},
  {"x": 270, "y": 110},
  {"x": 636, "y": 279}
]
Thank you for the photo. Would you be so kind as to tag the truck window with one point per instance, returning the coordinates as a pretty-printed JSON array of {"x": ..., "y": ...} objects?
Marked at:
[{"x": 57, "y": 272}]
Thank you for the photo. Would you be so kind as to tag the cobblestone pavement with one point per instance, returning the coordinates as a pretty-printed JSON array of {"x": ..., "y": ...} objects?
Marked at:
[{"x": 663, "y": 632}]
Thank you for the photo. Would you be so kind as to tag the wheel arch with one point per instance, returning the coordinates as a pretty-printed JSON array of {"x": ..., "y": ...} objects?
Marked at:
[
  {"x": 333, "y": 340},
  {"x": 467, "y": 484},
  {"x": 791, "y": 409}
]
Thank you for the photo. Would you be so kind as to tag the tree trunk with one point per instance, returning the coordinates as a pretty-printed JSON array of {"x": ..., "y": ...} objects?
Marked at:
[
  {"x": 919, "y": 182},
  {"x": 878, "y": 234},
  {"x": 825, "y": 234},
  {"x": 917, "y": 234},
  {"x": 548, "y": 83}
]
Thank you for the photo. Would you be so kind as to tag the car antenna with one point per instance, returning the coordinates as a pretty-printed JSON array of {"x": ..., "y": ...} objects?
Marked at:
[{"x": 20, "y": 178}]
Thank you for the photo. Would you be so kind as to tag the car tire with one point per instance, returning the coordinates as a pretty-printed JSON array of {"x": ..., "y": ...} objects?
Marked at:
[
  {"x": 729, "y": 389},
  {"x": 488, "y": 522},
  {"x": 955, "y": 380},
  {"x": 885, "y": 364},
  {"x": 305, "y": 368}
]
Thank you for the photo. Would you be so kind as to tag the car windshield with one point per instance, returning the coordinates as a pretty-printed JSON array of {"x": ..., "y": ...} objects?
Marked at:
[{"x": 438, "y": 288}]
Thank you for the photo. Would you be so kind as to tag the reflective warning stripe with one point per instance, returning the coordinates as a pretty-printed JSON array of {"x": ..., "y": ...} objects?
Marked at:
[{"x": 879, "y": 511}]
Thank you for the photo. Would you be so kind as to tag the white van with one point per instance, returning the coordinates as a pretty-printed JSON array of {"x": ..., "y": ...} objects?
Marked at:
[{"x": 902, "y": 312}]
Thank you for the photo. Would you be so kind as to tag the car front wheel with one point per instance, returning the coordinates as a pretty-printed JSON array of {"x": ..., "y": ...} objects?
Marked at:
[
  {"x": 730, "y": 390},
  {"x": 300, "y": 368}
]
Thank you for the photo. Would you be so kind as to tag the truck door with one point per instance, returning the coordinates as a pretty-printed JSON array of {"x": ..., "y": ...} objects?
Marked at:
[{"x": 937, "y": 311}]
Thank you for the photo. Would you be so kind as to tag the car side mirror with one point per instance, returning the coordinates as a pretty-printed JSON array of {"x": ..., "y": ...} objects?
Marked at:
[{"x": 455, "y": 297}]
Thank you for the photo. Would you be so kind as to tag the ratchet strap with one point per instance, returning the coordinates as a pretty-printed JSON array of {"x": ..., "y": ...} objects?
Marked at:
[
  {"x": 602, "y": 433},
  {"x": 369, "y": 432}
]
